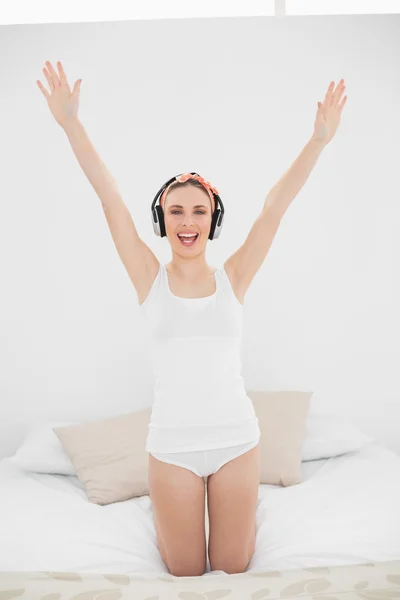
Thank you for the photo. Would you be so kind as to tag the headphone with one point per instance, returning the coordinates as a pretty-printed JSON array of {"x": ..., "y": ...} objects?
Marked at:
[{"x": 157, "y": 213}]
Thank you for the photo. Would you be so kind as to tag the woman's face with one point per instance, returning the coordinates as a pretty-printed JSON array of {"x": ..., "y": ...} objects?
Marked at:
[{"x": 187, "y": 210}]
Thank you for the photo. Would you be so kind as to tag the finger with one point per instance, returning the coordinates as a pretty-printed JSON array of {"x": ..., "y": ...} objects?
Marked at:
[
  {"x": 77, "y": 87},
  {"x": 49, "y": 79},
  {"x": 63, "y": 77},
  {"x": 43, "y": 89},
  {"x": 338, "y": 92},
  {"x": 343, "y": 102},
  {"x": 53, "y": 74},
  {"x": 328, "y": 94}
]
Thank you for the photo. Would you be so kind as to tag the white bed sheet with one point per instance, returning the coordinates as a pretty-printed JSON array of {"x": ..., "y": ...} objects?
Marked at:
[{"x": 345, "y": 511}]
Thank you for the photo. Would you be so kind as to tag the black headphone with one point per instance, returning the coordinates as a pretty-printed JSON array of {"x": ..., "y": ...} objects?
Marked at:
[{"x": 157, "y": 213}]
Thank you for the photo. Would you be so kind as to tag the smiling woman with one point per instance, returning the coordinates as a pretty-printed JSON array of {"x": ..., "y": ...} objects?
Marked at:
[
  {"x": 194, "y": 316},
  {"x": 188, "y": 206}
]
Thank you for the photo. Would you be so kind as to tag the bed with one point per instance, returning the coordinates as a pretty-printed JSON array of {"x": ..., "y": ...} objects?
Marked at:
[{"x": 334, "y": 535}]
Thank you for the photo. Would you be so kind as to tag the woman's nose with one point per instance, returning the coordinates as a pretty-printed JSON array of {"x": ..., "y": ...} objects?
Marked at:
[{"x": 188, "y": 221}]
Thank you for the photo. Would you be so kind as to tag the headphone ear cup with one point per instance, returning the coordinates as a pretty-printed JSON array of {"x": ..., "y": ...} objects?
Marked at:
[
  {"x": 214, "y": 221},
  {"x": 161, "y": 222}
]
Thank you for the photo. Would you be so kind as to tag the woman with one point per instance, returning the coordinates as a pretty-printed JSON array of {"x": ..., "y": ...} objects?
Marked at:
[{"x": 203, "y": 427}]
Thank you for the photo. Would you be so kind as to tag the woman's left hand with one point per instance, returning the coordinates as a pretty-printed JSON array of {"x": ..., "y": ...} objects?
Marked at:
[{"x": 328, "y": 115}]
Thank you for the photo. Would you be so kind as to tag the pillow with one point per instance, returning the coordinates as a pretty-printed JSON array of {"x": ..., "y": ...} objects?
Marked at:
[
  {"x": 282, "y": 421},
  {"x": 111, "y": 462},
  {"x": 42, "y": 452},
  {"x": 328, "y": 436},
  {"x": 109, "y": 456}
]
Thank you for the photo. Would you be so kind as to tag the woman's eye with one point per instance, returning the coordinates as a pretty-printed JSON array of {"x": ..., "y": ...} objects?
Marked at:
[{"x": 178, "y": 211}]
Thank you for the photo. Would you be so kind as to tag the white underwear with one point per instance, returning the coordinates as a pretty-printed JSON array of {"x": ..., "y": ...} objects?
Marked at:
[{"x": 205, "y": 462}]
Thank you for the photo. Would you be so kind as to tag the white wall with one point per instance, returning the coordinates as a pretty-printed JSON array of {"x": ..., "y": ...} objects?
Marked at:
[{"x": 235, "y": 100}]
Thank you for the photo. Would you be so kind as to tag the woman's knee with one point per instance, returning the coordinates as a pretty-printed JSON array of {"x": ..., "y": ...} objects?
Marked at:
[
  {"x": 230, "y": 564},
  {"x": 187, "y": 566}
]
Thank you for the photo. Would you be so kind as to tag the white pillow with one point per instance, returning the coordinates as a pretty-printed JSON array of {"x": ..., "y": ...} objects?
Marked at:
[
  {"x": 42, "y": 451},
  {"x": 329, "y": 435},
  {"x": 326, "y": 436}
]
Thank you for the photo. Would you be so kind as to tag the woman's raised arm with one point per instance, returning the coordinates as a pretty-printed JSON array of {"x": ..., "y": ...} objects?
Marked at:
[{"x": 138, "y": 259}]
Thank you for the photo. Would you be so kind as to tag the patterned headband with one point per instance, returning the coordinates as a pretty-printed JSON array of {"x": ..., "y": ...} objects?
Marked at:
[{"x": 182, "y": 178}]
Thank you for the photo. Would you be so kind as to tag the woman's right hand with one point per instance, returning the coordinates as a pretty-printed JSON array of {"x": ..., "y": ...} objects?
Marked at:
[{"x": 62, "y": 102}]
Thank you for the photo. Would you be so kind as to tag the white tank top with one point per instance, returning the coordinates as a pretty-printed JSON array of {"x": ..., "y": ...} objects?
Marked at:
[{"x": 199, "y": 399}]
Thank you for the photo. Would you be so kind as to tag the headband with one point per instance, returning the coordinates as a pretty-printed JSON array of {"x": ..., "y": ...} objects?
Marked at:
[{"x": 182, "y": 178}]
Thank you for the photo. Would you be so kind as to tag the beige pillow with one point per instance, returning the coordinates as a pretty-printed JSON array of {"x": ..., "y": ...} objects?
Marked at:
[
  {"x": 109, "y": 456},
  {"x": 282, "y": 418},
  {"x": 111, "y": 462}
]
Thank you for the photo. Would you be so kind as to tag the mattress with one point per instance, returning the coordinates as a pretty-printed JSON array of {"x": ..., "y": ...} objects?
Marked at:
[{"x": 336, "y": 532}]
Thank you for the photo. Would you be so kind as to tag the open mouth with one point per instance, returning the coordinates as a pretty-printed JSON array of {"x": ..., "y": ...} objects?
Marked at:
[{"x": 186, "y": 240}]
